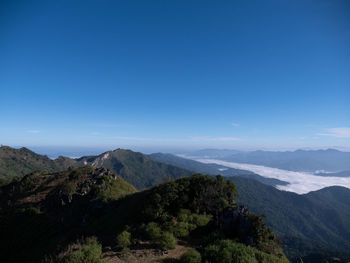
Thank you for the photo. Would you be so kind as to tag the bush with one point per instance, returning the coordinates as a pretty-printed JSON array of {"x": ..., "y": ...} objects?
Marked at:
[
  {"x": 83, "y": 251},
  {"x": 227, "y": 251},
  {"x": 153, "y": 231},
  {"x": 123, "y": 240},
  {"x": 191, "y": 256},
  {"x": 181, "y": 229},
  {"x": 166, "y": 241},
  {"x": 26, "y": 184},
  {"x": 32, "y": 211},
  {"x": 200, "y": 220},
  {"x": 68, "y": 189}
]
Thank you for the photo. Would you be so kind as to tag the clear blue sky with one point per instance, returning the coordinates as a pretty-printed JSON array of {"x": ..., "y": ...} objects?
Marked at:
[{"x": 226, "y": 74}]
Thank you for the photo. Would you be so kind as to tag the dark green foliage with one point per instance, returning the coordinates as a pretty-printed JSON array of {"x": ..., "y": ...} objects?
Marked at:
[
  {"x": 19, "y": 162},
  {"x": 26, "y": 184},
  {"x": 181, "y": 229},
  {"x": 189, "y": 208},
  {"x": 83, "y": 251},
  {"x": 191, "y": 256},
  {"x": 227, "y": 251},
  {"x": 68, "y": 189},
  {"x": 112, "y": 189},
  {"x": 166, "y": 241},
  {"x": 200, "y": 194},
  {"x": 66, "y": 206},
  {"x": 307, "y": 224},
  {"x": 123, "y": 240},
  {"x": 136, "y": 168},
  {"x": 31, "y": 211},
  {"x": 152, "y": 231}
]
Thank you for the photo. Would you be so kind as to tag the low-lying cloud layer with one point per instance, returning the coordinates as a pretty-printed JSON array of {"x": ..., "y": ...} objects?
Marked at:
[{"x": 299, "y": 182}]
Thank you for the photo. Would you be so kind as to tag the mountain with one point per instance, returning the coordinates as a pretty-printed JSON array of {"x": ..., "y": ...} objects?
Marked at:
[
  {"x": 90, "y": 214},
  {"x": 19, "y": 162},
  {"x": 312, "y": 225},
  {"x": 212, "y": 153},
  {"x": 321, "y": 218},
  {"x": 136, "y": 168},
  {"x": 300, "y": 160},
  {"x": 337, "y": 174},
  {"x": 213, "y": 169}
]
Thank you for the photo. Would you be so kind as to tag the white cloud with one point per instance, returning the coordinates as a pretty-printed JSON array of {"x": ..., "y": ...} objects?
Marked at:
[
  {"x": 343, "y": 132},
  {"x": 235, "y": 124},
  {"x": 33, "y": 131},
  {"x": 299, "y": 182}
]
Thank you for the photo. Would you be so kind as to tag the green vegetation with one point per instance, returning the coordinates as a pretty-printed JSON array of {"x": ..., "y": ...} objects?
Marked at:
[
  {"x": 112, "y": 189},
  {"x": 83, "y": 251},
  {"x": 26, "y": 184},
  {"x": 137, "y": 169},
  {"x": 19, "y": 162},
  {"x": 186, "y": 209},
  {"x": 123, "y": 240},
  {"x": 191, "y": 256},
  {"x": 165, "y": 241},
  {"x": 314, "y": 227},
  {"x": 315, "y": 223},
  {"x": 227, "y": 251},
  {"x": 68, "y": 189}
]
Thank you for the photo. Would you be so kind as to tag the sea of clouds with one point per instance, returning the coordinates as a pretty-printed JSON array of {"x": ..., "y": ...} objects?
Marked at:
[{"x": 299, "y": 182}]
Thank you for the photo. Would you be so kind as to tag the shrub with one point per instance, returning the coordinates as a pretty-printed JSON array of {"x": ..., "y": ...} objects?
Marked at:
[
  {"x": 68, "y": 189},
  {"x": 181, "y": 229},
  {"x": 32, "y": 211},
  {"x": 183, "y": 215},
  {"x": 191, "y": 256},
  {"x": 200, "y": 220},
  {"x": 152, "y": 231},
  {"x": 26, "y": 184},
  {"x": 83, "y": 251},
  {"x": 166, "y": 241},
  {"x": 123, "y": 240},
  {"x": 229, "y": 251},
  {"x": 75, "y": 174}
]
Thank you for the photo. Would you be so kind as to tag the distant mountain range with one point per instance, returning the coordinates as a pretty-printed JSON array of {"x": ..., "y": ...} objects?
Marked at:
[
  {"x": 136, "y": 168},
  {"x": 197, "y": 167},
  {"x": 300, "y": 160},
  {"x": 320, "y": 218},
  {"x": 19, "y": 162},
  {"x": 312, "y": 226},
  {"x": 307, "y": 224}
]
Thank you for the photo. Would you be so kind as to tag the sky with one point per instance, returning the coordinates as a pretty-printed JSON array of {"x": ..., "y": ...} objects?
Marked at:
[{"x": 175, "y": 74}]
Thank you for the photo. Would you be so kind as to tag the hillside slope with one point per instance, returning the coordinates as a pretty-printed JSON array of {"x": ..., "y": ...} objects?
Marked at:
[
  {"x": 318, "y": 222},
  {"x": 43, "y": 213},
  {"x": 321, "y": 217},
  {"x": 136, "y": 168},
  {"x": 213, "y": 169},
  {"x": 19, "y": 162}
]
